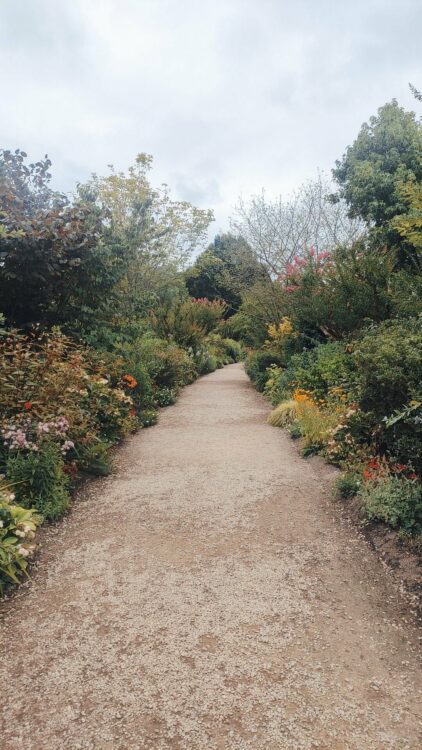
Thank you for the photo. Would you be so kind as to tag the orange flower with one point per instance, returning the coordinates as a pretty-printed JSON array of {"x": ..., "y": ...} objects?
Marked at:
[{"x": 130, "y": 381}]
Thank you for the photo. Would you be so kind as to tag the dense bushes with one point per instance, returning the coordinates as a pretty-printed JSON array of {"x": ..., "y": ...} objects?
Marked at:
[
  {"x": 341, "y": 355},
  {"x": 106, "y": 267},
  {"x": 360, "y": 405}
]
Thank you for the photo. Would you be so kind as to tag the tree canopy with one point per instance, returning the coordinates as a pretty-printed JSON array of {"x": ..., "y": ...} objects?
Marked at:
[{"x": 224, "y": 271}]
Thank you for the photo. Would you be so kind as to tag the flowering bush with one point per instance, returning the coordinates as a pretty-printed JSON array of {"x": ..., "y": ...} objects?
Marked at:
[
  {"x": 17, "y": 527},
  {"x": 315, "y": 422}
]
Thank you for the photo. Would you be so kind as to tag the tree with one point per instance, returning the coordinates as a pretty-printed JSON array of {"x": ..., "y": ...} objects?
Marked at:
[
  {"x": 409, "y": 224},
  {"x": 224, "y": 271},
  {"x": 386, "y": 154},
  {"x": 52, "y": 267},
  {"x": 280, "y": 229},
  {"x": 154, "y": 234},
  {"x": 146, "y": 220}
]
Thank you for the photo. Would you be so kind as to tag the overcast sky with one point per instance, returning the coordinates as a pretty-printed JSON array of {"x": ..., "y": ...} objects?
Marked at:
[{"x": 229, "y": 96}]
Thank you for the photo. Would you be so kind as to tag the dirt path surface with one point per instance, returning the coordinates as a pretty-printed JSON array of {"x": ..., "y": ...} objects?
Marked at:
[{"x": 207, "y": 596}]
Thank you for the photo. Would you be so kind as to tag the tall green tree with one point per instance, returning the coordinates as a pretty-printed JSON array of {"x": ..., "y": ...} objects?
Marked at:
[
  {"x": 225, "y": 271},
  {"x": 386, "y": 155}
]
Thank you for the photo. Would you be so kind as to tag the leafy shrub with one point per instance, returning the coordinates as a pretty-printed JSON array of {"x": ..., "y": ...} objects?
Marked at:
[
  {"x": 205, "y": 362},
  {"x": 284, "y": 414},
  {"x": 277, "y": 387},
  {"x": 347, "y": 485},
  {"x": 167, "y": 364},
  {"x": 257, "y": 366},
  {"x": 148, "y": 417},
  {"x": 48, "y": 378},
  {"x": 233, "y": 349},
  {"x": 39, "y": 480},
  {"x": 320, "y": 369},
  {"x": 389, "y": 363},
  {"x": 294, "y": 430},
  {"x": 188, "y": 321},
  {"x": 94, "y": 459},
  {"x": 396, "y": 501},
  {"x": 223, "y": 351},
  {"x": 401, "y": 436},
  {"x": 165, "y": 396},
  {"x": 315, "y": 422},
  {"x": 17, "y": 527}
]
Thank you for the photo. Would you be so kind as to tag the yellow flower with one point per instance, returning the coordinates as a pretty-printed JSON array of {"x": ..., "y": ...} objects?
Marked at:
[
  {"x": 283, "y": 330},
  {"x": 302, "y": 396}
]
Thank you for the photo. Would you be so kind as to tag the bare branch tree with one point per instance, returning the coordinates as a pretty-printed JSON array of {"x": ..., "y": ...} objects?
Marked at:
[{"x": 279, "y": 229}]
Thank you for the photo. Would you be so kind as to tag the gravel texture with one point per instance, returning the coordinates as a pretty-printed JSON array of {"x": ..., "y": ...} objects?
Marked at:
[{"x": 209, "y": 596}]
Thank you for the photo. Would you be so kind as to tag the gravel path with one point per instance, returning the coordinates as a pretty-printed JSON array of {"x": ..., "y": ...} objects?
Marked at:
[{"x": 208, "y": 596}]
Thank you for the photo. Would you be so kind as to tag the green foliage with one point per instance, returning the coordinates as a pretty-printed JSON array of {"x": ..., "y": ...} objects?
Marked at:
[
  {"x": 257, "y": 366},
  {"x": 294, "y": 430},
  {"x": 94, "y": 458},
  {"x": 389, "y": 363},
  {"x": 205, "y": 362},
  {"x": 322, "y": 368},
  {"x": 396, "y": 501},
  {"x": 386, "y": 153},
  {"x": 334, "y": 294},
  {"x": 188, "y": 321},
  {"x": 224, "y": 271},
  {"x": 315, "y": 425},
  {"x": 39, "y": 480},
  {"x": 17, "y": 527},
  {"x": 53, "y": 268},
  {"x": 284, "y": 415},
  {"x": 347, "y": 485},
  {"x": 165, "y": 396},
  {"x": 278, "y": 384},
  {"x": 148, "y": 417},
  {"x": 264, "y": 303},
  {"x": 401, "y": 436},
  {"x": 167, "y": 364}
]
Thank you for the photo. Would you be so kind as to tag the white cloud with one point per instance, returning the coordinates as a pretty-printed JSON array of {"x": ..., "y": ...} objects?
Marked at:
[{"x": 228, "y": 95}]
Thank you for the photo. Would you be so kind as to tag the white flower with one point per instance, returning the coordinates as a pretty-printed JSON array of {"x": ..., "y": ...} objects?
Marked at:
[
  {"x": 23, "y": 551},
  {"x": 19, "y": 532}
]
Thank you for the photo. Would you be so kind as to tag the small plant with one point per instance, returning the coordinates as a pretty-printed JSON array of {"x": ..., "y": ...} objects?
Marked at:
[
  {"x": 205, "y": 362},
  {"x": 93, "y": 458},
  {"x": 347, "y": 485},
  {"x": 165, "y": 396},
  {"x": 148, "y": 417},
  {"x": 17, "y": 528},
  {"x": 39, "y": 479},
  {"x": 294, "y": 430},
  {"x": 394, "y": 500},
  {"x": 284, "y": 414}
]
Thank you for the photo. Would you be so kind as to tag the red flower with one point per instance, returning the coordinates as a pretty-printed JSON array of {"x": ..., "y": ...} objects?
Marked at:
[
  {"x": 412, "y": 475},
  {"x": 27, "y": 405}
]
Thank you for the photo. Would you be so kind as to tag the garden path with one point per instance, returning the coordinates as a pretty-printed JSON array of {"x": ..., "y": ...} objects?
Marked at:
[{"x": 209, "y": 596}]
